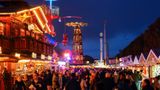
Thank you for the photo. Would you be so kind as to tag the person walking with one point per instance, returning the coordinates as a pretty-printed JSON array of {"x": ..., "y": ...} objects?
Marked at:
[
  {"x": 73, "y": 83},
  {"x": 1, "y": 82},
  {"x": 146, "y": 85},
  {"x": 19, "y": 84},
  {"x": 156, "y": 84}
]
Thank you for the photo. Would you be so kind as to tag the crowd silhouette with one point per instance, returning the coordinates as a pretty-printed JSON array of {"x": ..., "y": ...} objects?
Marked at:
[{"x": 81, "y": 79}]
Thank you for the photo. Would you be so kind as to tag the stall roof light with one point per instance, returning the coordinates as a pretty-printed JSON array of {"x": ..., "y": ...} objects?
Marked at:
[
  {"x": 35, "y": 8},
  {"x": 48, "y": 28},
  {"x": 26, "y": 10},
  {"x": 40, "y": 22},
  {"x": 30, "y": 60},
  {"x": 36, "y": 14},
  {"x": 23, "y": 61},
  {"x": 37, "y": 28},
  {"x": 6, "y": 13},
  {"x": 23, "y": 11},
  {"x": 43, "y": 15},
  {"x": 2, "y": 58}
]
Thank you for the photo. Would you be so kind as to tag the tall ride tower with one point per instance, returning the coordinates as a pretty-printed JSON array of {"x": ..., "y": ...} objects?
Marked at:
[{"x": 77, "y": 49}]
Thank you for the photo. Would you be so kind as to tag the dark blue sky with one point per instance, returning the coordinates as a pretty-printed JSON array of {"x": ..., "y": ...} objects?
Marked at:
[{"x": 126, "y": 19}]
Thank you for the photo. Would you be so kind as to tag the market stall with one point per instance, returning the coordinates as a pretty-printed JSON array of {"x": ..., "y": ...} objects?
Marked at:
[{"x": 30, "y": 65}]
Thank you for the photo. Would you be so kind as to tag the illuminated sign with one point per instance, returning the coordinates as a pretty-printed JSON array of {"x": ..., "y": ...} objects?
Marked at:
[
  {"x": 49, "y": 58},
  {"x": 42, "y": 56},
  {"x": 17, "y": 55},
  {"x": 34, "y": 55}
]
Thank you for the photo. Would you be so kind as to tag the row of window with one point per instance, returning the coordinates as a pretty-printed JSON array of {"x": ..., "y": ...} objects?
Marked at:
[
  {"x": 23, "y": 44},
  {"x": 23, "y": 33},
  {"x": 75, "y": 47},
  {"x": 77, "y": 31},
  {"x": 2, "y": 28},
  {"x": 77, "y": 38},
  {"x": 16, "y": 32}
]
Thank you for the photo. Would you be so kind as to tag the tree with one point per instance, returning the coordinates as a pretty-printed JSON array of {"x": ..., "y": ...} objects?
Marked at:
[{"x": 143, "y": 43}]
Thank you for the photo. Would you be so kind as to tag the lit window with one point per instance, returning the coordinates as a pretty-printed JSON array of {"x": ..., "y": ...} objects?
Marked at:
[
  {"x": 37, "y": 37},
  {"x": 16, "y": 32},
  {"x": 33, "y": 35},
  {"x": 1, "y": 28},
  {"x": 28, "y": 33},
  {"x": 22, "y": 32}
]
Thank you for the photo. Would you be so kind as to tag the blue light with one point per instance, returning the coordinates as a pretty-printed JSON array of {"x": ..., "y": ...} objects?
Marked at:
[
  {"x": 50, "y": 39},
  {"x": 51, "y": 3},
  {"x": 68, "y": 58}
]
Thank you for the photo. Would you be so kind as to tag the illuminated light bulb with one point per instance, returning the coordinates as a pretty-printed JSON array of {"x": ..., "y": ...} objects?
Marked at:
[{"x": 17, "y": 55}]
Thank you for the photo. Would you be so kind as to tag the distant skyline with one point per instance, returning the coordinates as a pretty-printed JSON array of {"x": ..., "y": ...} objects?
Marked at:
[{"x": 126, "y": 19}]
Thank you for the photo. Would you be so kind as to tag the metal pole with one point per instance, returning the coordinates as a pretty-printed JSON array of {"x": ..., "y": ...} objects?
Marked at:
[
  {"x": 105, "y": 45},
  {"x": 101, "y": 47}
]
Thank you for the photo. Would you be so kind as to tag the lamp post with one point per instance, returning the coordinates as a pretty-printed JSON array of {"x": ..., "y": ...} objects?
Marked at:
[{"x": 101, "y": 47}]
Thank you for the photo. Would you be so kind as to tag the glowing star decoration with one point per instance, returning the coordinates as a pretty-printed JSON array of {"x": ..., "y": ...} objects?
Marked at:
[{"x": 34, "y": 55}]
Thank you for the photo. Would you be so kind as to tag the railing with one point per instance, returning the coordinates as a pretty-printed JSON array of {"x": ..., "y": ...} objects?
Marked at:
[
  {"x": 5, "y": 44},
  {"x": 28, "y": 44}
]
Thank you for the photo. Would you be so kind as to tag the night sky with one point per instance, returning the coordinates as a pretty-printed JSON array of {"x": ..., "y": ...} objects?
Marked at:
[{"x": 126, "y": 19}]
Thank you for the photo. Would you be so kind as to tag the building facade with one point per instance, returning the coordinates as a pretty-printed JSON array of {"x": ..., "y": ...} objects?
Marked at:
[{"x": 23, "y": 37}]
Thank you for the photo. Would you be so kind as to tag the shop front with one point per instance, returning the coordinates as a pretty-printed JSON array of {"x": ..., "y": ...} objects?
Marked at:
[{"x": 31, "y": 65}]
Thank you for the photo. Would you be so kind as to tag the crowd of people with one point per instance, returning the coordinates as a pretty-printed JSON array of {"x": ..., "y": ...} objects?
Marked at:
[{"x": 85, "y": 79}]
